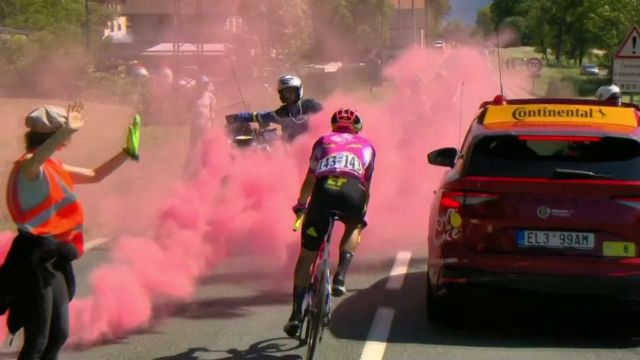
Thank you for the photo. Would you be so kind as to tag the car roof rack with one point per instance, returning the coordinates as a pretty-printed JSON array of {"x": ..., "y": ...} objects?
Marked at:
[
  {"x": 561, "y": 101},
  {"x": 499, "y": 101}
]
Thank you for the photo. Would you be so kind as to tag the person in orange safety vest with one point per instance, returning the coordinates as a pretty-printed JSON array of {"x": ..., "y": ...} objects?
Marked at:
[{"x": 36, "y": 279}]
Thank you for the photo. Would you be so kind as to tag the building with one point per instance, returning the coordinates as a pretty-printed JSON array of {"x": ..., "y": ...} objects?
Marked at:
[
  {"x": 117, "y": 29},
  {"x": 407, "y": 24},
  {"x": 151, "y": 22},
  {"x": 176, "y": 33}
]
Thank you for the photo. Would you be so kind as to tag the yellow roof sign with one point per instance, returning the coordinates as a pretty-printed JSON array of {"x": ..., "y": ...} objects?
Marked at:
[{"x": 552, "y": 114}]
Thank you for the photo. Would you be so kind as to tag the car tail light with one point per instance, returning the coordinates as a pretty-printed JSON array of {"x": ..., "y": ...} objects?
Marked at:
[
  {"x": 451, "y": 280},
  {"x": 632, "y": 201},
  {"x": 457, "y": 199},
  {"x": 451, "y": 199}
]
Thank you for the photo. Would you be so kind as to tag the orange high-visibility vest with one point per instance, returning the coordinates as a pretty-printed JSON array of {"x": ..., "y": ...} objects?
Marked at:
[{"x": 59, "y": 215}]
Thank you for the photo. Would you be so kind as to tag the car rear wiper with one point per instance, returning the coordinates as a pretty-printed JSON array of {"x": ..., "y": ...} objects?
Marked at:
[{"x": 578, "y": 174}]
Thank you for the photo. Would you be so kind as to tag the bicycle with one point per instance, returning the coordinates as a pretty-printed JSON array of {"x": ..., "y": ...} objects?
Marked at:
[{"x": 316, "y": 308}]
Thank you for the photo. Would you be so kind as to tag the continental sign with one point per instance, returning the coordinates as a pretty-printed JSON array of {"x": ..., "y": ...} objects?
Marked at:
[{"x": 584, "y": 115}]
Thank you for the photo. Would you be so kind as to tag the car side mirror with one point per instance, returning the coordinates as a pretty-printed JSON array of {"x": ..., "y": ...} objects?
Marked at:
[{"x": 443, "y": 157}]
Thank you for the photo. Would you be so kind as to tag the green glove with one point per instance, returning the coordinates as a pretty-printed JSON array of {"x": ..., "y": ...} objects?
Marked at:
[{"x": 133, "y": 138}]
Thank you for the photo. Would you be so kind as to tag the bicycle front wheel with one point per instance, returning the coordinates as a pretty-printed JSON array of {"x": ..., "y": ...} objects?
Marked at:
[{"x": 316, "y": 314}]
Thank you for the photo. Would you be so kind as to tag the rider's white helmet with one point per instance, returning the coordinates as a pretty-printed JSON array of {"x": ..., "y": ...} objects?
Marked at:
[
  {"x": 290, "y": 81},
  {"x": 608, "y": 93}
]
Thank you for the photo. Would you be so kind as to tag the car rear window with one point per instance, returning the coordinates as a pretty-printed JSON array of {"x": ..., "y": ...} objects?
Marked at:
[{"x": 529, "y": 156}]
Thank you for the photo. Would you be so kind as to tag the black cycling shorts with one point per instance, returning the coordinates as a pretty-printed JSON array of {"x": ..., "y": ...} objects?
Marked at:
[{"x": 346, "y": 195}]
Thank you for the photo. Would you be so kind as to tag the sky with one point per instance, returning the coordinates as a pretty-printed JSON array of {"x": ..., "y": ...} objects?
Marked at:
[{"x": 466, "y": 10}]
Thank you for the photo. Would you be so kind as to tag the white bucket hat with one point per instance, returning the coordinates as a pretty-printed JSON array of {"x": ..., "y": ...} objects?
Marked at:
[{"x": 46, "y": 119}]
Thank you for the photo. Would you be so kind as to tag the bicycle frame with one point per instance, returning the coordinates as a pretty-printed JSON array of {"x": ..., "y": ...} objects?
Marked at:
[{"x": 317, "y": 304}]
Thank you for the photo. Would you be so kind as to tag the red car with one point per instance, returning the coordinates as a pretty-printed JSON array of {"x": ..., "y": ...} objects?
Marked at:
[{"x": 544, "y": 195}]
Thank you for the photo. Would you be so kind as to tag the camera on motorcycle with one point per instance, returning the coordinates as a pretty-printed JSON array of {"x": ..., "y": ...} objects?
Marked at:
[{"x": 231, "y": 119}]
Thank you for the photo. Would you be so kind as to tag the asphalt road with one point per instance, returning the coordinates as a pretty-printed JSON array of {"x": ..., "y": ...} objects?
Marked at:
[{"x": 238, "y": 314}]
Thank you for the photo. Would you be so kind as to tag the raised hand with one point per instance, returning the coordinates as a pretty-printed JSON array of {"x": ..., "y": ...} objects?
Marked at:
[{"x": 76, "y": 117}]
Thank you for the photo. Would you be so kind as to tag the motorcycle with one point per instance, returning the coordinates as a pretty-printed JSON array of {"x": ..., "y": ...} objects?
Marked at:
[{"x": 251, "y": 136}]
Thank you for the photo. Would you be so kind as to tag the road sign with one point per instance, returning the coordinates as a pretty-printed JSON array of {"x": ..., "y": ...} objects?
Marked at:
[
  {"x": 534, "y": 66},
  {"x": 626, "y": 63}
]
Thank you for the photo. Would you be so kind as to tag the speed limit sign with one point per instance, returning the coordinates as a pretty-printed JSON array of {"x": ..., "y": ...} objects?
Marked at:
[{"x": 534, "y": 66}]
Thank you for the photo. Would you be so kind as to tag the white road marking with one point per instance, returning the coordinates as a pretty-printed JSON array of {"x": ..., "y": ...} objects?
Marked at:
[
  {"x": 379, "y": 333},
  {"x": 398, "y": 270},
  {"x": 92, "y": 244}
]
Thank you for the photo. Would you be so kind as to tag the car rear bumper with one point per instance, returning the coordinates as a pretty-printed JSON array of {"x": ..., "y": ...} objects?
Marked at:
[{"x": 615, "y": 286}]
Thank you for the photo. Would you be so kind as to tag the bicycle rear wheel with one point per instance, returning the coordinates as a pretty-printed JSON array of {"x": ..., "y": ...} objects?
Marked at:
[{"x": 316, "y": 314}]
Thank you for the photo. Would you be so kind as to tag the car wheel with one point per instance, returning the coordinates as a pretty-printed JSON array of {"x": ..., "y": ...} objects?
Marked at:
[{"x": 438, "y": 310}]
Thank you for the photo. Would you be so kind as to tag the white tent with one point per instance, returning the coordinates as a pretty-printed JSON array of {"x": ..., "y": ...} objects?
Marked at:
[{"x": 207, "y": 49}]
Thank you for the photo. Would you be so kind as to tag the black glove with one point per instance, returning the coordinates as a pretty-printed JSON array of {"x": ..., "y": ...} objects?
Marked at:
[{"x": 299, "y": 208}]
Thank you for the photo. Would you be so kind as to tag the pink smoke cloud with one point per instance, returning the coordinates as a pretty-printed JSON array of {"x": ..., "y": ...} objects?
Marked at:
[
  {"x": 5, "y": 243},
  {"x": 240, "y": 203}
]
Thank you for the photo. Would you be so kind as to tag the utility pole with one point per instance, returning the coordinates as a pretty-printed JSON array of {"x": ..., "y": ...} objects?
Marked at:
[
  {"x": 426, "y": 19},
  {"x": 177, "y": 35},
  {"x": 87, "y": 24},
  {"x": 382, "y": 32},
  {"x": 199, "y": 38},
  {"x": 413, "y": 20}
]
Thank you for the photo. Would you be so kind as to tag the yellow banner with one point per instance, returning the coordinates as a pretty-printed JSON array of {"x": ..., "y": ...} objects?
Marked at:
[{"x": 559, "y": 114}]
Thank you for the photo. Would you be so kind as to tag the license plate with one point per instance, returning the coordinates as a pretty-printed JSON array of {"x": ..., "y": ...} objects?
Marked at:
[{"x": 556, "y": 239}]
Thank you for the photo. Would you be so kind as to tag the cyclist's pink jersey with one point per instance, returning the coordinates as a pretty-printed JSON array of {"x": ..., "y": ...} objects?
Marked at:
[{"x": 343, "y": 154}]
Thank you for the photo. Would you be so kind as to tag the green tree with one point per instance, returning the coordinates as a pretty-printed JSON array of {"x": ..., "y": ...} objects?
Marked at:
[
  {"x": 456, "y": 30},
  {"x": 349, "y": 27},
  {"x": 581, "y": 35},
  {"x": 291, "y": 38},
  {"x": 483, "y": 21},
  {"x": 435, "y": 11},
  {"x": 537, "y": 28},
  {"x": 610, "y": 21},
  {"x": 503, "y": 9},
  {"x": 56, "y": 39},
  {"x": 570, "y": 28},
  {"x": 52, "y": 15},
  {"x": 514, "y": 27}
]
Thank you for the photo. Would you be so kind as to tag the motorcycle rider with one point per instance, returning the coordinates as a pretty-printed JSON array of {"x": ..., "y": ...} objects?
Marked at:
[
  {"x": 338, "y": 178},
  {"x": 609, "y": 93},
  {"x": 292, "y": 116}
]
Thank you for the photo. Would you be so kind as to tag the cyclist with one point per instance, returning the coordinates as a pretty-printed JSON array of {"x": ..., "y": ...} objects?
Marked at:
[
  {"x": 292, "y": 116},
  {"x": 339, "y": 176},
  {"x": 609, "y": 93}
]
